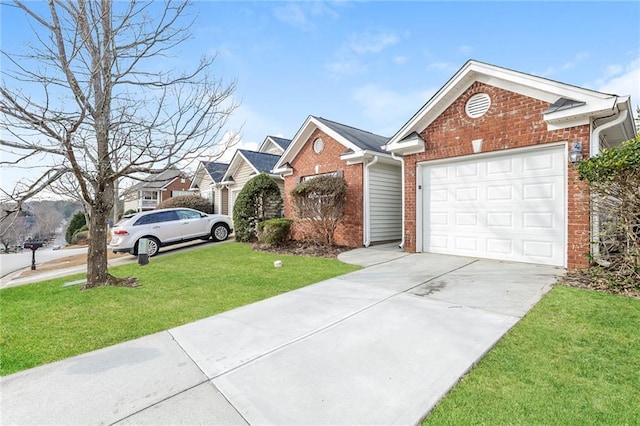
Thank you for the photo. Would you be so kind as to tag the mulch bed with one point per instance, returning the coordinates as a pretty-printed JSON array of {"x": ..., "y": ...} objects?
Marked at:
[
  {"x": 302, "y": 248},
  {"x": 605, "y": 280}
]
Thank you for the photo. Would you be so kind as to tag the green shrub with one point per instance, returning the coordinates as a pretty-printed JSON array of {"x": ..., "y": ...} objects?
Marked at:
[
  {"x": 77, "y": 221},
  {"x": 274, "y": 231},
  {"x": 80, "y": 237},
  {"x": 258, "y": 200},
  {"x": 190, "y": 201},
  {"x": 130, "y": 211}
]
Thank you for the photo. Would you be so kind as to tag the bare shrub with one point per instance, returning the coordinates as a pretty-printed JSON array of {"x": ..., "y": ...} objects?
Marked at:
[
  {"x": 614, "y": 181},
  {"x": 319, "y": 205}
]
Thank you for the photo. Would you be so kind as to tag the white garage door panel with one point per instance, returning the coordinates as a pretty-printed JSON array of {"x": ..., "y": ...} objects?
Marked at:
[{"x": 509, "y": 207}]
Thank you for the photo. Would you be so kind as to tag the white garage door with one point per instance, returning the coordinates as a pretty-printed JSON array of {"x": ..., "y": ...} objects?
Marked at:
[{"x": 507, "y": 207}]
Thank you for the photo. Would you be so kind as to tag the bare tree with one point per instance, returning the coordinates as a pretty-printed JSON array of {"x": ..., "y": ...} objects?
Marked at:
[
  {"x": 17, "y": 226},
  {"x": 47, "y": 219},
  {"x": 93, "y": 97},
  {"x": 8, "y": 234}
]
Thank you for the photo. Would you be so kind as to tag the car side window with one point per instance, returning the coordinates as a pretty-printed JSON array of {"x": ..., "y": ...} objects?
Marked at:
[
  {"x": 144, "y": 220},
  {"x": 166, "y": 216},
  {"x": 188, "y": 214}
]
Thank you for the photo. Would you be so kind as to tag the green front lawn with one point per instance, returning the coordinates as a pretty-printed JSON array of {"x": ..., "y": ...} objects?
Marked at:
[
  {"x": 573, "y": 360},
  {"x": 44, "y": 322}
]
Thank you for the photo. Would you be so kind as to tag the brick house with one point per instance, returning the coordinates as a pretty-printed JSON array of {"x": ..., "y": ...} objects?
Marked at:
[
  {"x": 488, "y": 171},
  {"x": 153, "y": 189},
  {"x": 373, "y": 203}
]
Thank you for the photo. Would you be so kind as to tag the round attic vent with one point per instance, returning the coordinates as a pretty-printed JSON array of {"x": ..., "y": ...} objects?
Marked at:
[
  {"x": 318, "y": 145},
  {"x": 477, "y": 105}
]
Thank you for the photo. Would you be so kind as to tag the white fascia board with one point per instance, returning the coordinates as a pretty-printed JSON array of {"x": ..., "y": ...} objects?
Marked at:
[
  {"x": 235, "y": 163},
  {"x": 364, "y": 156},
  {"x": 283, "y": 171},
  {"x": 414, "y": 145},
  {"x": 296, "y": 144},
  {"x": 265, "y": 142},
  {"x": 580, "y": 115},
  {"x": 228, "y": 173},
  {"x": 275, "y": 176},
  {"x": 197, "y": 177},
  {"x": 269, "y": 141},
  {"x": 305, "y": 132}
]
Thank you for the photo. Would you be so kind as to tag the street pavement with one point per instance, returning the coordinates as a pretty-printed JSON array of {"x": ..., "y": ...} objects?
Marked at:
[{"x": 12, "y": 262}]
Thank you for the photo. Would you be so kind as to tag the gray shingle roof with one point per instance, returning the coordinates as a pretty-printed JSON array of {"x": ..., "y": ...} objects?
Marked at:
[
  {"x": 284, "y": 143},
  {"x": 215, "y": 170},
  {"x": 262, "y": 161},
  {"x": 563, "y": 103},
  {"x": 361, "y": 138},
  {"x": 155, "y": 181}
]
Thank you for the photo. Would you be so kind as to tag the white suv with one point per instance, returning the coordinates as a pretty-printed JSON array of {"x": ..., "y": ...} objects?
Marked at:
[{"x": 166, "y": 227}]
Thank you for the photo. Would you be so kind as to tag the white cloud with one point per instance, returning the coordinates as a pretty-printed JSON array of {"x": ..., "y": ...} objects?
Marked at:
[
  {"x": 303, "y": 15},
  {"x": 350, "y": 58},
  {"x": 345, "y": 67},
  {"x": 621, "y": 80},
  {"x": 389, "y": 108},
  {"x": 439, "y": 65},
  {"x": 371, "y": 43},
  {"x": 292, "y": 14},
  {"x": 465, "y": 49},
  {"x": 570, "y": 64},
  {"x": 400, "y": 59}
]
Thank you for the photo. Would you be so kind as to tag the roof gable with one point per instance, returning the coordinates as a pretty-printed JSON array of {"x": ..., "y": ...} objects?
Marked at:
[
  {"x": 281, "y": 142},
  {"x": 354, "y": 140},
  {"x": 156, "y": 181},
  {"x": 258, "y": 161},
  {"x": 274, "y": 144},
  {"x": 570, "y": 105}
]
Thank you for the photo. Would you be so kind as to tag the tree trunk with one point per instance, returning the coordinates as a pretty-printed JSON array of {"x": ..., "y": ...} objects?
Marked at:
[{"x": 97, "y": 271}]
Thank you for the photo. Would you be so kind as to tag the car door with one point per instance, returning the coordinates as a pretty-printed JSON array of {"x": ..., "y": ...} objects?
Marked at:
[
  {"x": 166, "y": 226},
  {"x": 193, "y": 224}
]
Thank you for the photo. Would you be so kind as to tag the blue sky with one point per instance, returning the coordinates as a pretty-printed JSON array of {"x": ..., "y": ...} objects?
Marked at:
[{"x": 372, "y": 65}]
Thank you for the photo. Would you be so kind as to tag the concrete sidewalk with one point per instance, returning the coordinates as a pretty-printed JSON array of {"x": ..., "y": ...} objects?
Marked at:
[{"x": 378, "y": 346}]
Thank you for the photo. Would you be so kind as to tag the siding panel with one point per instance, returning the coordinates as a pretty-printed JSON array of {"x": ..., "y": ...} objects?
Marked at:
[{"x": 385, "y": 187}]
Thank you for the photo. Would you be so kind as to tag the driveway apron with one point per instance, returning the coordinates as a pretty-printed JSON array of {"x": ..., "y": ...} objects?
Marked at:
[{"x": 378, "y": 346}]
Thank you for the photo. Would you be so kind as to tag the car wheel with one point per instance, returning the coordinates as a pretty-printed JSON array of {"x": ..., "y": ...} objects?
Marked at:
[
  {"x": 219, "y": 232},
  {"x": 153, "y": 247}
]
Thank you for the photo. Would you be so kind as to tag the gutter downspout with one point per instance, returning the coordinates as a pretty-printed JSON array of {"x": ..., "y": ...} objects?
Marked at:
[
  {"x": 367, "y": 198},
  {"x": 401, "y": 159},
  {"x": 594, "y": 145},
  {"x": 594, "y": 149}
]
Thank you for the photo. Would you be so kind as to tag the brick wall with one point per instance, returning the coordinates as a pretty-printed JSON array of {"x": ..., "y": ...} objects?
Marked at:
[
  {"x": 349, "y": 232},
  {"x": 512, "y": 121},
  {"x": 176, "y": 185}
]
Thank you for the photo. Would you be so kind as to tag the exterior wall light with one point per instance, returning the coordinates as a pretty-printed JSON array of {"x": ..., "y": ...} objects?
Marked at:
[{"x": 575, "y": 154}]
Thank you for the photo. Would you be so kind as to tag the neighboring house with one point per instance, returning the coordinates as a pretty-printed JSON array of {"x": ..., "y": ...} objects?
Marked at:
[
  {"x": 488, "y": 171},
  {"x": 206, "y": 181},
  {"x": 373, "y": 203},
  {"x": 156, "y": 188},
  {"x": 246, "y": 164}
]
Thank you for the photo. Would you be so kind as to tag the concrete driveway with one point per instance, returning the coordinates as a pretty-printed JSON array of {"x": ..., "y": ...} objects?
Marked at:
[{"x": 378, "y": 346}]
